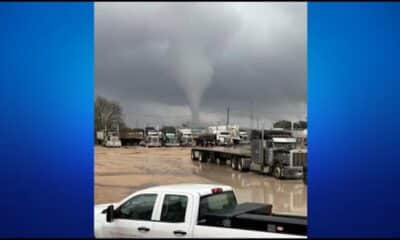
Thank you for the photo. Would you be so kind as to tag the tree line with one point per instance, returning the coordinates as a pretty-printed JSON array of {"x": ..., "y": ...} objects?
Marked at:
[{"x": 109, "y": 114}]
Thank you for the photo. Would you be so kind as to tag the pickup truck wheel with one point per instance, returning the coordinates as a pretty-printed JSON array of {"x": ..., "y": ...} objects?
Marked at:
[{"x": 277, "y": 172}]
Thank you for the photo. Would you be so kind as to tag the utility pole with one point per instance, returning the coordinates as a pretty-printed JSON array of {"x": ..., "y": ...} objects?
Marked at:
[
  {"x": 252, "y": 114},
  {"x": 227, "y": 117},
  {"x": 257, "y": 123}
]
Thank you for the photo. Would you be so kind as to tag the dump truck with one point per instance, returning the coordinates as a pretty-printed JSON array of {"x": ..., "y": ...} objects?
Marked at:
[
  {"x": 206, "y": 139},
  {"x": 169, "y": 136},
  {"x": 131, "y": 137},
  {"x": 273, "y": 152},
  {"x": 196, "y": 132},
  {"x": 193, "y": 211}
]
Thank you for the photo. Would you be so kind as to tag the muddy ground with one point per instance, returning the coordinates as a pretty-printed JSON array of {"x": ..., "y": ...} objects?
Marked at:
[{"x": 121, "y": 171}]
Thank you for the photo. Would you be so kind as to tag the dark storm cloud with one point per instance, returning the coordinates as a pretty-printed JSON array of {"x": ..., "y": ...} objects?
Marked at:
[{"x": 254, "y": 54}]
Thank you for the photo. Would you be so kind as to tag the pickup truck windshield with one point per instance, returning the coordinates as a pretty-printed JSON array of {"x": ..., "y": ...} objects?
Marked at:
[{"x": 224, "y": 201}]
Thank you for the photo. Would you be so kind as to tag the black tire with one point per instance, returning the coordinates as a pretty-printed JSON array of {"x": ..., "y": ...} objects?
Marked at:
[
  {"x": 211, "y": 158},
  {"x": 234, "y": 164},
  {"x": 194, "y": 157},
  {"x": 277, "y": 172},
  {"x": 202, "y": 157},
  {"x": 241, "y": 165}
]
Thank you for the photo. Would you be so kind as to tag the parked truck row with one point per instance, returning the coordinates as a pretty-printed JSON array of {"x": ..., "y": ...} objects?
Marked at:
[
  {"x": 172, "y": 136},
  {"x": 276, "y": 152}
]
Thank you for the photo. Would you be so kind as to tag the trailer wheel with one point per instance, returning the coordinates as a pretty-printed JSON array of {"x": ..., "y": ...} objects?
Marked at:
[
  {"x": 211, "y": 157},
  {"x": 194, "y": 156},
  {"x": 234, "y": 163},
  {"x": 202, "y": 157},
  {"x": 241, "y": 165},
  {"x": 277, "y": 172}
]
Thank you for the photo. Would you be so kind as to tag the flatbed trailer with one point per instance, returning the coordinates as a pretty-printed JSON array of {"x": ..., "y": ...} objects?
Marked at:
[
  {"x": 247, "y": 157},
  {"x": 240, "y": 156}
]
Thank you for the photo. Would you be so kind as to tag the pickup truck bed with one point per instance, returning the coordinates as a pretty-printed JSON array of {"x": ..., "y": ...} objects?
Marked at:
[{"x": 259, "y": 217}]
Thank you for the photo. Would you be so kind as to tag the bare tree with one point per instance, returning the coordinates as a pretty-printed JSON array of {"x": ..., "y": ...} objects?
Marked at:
[{"x": 107, "y": 113}]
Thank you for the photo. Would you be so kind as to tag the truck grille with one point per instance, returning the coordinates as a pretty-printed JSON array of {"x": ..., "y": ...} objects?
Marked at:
[{"x": 299, "y": 159}]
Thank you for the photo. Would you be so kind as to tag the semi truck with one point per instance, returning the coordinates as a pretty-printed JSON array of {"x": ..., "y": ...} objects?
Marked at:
[
  {"x": 108, "y": 138},
  {"x": 152, "y": 137},
  {"x": 193, "y": 211},
  {"x": 226, "y": 135},
  {"x": 169, "y": 136},
  {"x": 273, "y": 152},
  {"x": 185, "y": 137},
  {"x": 244, "y": 136}
]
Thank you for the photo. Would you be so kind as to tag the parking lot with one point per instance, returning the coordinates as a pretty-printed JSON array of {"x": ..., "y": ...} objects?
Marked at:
[{"x": 121, "y": 171}]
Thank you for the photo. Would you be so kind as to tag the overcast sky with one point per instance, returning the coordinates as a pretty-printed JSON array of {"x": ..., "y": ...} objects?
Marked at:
[{"x": 162, "y": 61}]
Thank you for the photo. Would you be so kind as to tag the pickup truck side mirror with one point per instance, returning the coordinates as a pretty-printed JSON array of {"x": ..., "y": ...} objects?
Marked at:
[{"x": 110, "y": 213}]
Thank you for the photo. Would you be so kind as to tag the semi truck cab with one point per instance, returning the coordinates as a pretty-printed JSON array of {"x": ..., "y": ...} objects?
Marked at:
[
  {"x": 186, "y": 137},
  {"x": 275, "y": 152},
  {"x": 153, "y": 138}
]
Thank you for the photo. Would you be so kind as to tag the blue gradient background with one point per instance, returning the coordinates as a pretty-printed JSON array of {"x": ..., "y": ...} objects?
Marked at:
[
  {"x": 353, "y": 114},
  {"x": 46, "y": 104}
]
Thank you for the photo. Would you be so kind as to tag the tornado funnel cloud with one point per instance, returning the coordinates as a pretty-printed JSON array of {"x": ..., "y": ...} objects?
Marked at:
[
  {"x": 196, "y": 36},
  {"x": 193, "y": 71}
]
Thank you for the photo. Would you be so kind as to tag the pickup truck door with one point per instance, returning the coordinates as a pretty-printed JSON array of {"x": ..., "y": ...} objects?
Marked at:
[
  {"x": 174, "y": 218},
  {"x": 133, "y": 218}
]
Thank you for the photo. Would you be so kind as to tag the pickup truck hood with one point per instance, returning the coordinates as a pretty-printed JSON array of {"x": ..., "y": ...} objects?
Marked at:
[{"x": 100, "y": 207}]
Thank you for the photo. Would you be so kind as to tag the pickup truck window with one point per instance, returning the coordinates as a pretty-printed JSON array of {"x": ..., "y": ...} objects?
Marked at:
[
  {"x": 217, "y": 202},
  {"x": 174, "y": 208},
  {"x": 137, "y": 208}
]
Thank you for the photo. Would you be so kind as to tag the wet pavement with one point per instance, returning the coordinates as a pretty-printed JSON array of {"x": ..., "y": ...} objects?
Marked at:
[{"x": 122, "y": 171}]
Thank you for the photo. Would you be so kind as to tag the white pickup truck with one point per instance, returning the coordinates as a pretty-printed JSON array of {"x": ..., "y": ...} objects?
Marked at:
[{"x": 192, "y": 211}]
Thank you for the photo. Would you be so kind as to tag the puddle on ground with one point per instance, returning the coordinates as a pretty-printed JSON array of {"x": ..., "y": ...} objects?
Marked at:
[
  {"x": 286, "y": 196},
  {"x": 120, "y": 172}
]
